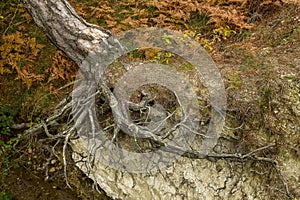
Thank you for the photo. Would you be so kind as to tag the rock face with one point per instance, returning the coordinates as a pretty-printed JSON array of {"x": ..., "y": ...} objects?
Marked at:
[{"x": 186, "y": 179}]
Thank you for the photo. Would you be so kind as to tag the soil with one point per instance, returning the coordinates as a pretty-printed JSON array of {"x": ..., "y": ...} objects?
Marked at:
[{"x": 24, "y": 184}]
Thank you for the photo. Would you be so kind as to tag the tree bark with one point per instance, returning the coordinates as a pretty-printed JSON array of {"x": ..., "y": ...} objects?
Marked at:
[{"x": 68, "y": 31}]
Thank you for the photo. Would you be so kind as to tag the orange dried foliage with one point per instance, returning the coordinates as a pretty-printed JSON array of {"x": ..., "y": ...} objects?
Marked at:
[
  {"x": 174, "y": 14},
  {"x": 261, "y": 6},
  {"x": 18, "y": 53},
  {"x": 61, "y": 71},
  {"x": 228, "y": 15}
]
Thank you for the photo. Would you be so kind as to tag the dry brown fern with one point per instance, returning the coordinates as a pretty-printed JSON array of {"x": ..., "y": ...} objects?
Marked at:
[{"x": 18, "y": 53}]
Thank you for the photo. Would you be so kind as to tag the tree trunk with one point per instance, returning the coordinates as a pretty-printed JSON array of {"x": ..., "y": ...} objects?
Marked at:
[{"x": 68, "y": 31}]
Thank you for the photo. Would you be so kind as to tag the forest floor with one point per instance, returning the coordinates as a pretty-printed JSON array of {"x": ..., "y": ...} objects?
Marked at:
[{"x": 265, "y": 56}]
